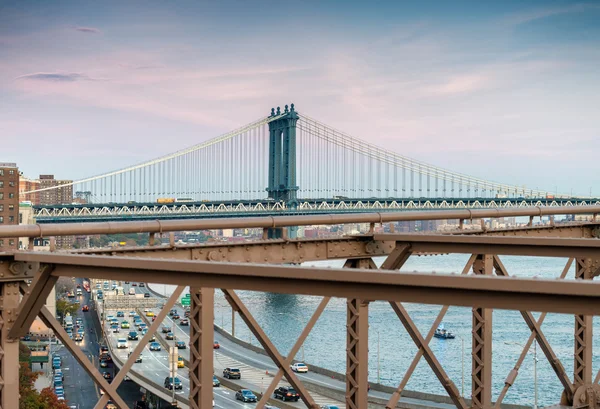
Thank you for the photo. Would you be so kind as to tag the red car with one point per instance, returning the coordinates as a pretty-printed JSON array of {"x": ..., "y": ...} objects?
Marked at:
[
  {"x": 216, "y": 345},
  {"x": 85, "y": 308}
]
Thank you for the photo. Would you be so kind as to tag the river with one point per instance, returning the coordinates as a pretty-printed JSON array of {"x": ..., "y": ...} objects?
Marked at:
[{"x": 283, "y": 316}]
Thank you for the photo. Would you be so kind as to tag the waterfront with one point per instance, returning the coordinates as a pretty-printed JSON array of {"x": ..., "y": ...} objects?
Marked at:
[{"x": 283, "y": 316}]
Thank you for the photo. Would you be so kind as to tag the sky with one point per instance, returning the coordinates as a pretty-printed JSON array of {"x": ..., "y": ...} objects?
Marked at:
[{"x": 507, "y": 91}]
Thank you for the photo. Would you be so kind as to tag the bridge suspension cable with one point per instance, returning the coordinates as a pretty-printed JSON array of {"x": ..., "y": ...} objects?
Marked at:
[
  {"x": 347, "y": 166},
  {"x": 329, "y": 163}
]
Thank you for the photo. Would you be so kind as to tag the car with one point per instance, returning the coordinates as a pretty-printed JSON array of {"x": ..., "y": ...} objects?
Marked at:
[
  {"x": 103, "y": 363},
  {"x": 78, "y": 337},
  {"x": 166, "y": 329},
  {"x": 171, "y": 383},
  {"x": 146, "y": 295},
  {"x": 142, "y": 285},
  {"x": 125, "y": 324},
  {"x": 126, "y": 282},
  {"x": 216, "y": 382},
  {"x": 110, "y": 404},
  {"x": 138, "y": 359},
  {"x": 103, "y": 349},
  {"x": 133, "y": 336},
  {"x": 216, "y": 345},
  {"x": 107, "y": 375},
  {"x": 122, "y": 343},
  {"x": 85, "y": 308},
  {"x": 149, "y": 314},
  {"x": 245, "y": 395},
  {"x": 286, "y": 393},
  {"x": 59, "y": 372},
  {"x": 172, "y": 312},
  {"x": 115, "y": 328},
  {"x": 176, "y": 316},
  {"x": 186, "y": 313},
  {"x": 152, "y": 337},
  {"x": 180, "y": 345},
  {"x": 132, "y": 313},
  {"x": 180, "y": 363},
  {"x": 120, "y": 314},
  {"x": 232, "y": 373},
  {"x": 134, "y": 284},
  {"x": 108, "y": 358},
  {"x": 170, "y": 336},
  {"x": 330, "y": 407},
  {"x": 184, "y": 322},
  {"x": 154, "y": 318},
  {"x": 299, "y": 367},
  {"x": 127, "y": 378},
  {"x": 142, "y": 327},
  {"x": 155, "y": 346}
]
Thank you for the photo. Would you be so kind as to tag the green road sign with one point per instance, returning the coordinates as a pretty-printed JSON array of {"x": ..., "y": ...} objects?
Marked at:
[
  {"x": 185, "y": 301},
  {"x": 187, "y": 295}
]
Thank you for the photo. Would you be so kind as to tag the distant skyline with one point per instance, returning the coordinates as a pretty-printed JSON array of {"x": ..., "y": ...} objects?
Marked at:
[{"x": 506, "y": 91}]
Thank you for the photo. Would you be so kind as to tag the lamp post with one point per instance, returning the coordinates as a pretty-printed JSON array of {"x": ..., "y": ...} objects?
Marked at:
[
  {"x": 462, "y": 364},
  {"x": 535, "y": 360},
  {"x": 378, "y": 361},
  {"x": 298, "y": 320}
]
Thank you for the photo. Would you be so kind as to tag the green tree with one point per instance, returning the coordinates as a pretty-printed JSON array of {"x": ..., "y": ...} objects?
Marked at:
[{"x": 63, "y": 307}]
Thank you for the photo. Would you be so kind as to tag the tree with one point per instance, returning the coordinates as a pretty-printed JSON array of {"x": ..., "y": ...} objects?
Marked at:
[
  {"x": 63, "y": 307},
  {"x": 49, "y": 400}
]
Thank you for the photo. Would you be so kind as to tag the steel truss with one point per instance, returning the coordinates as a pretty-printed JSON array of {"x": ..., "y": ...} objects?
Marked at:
[
  {"x": 482, "y": 291},
  {"x": 49, "y": 214}
]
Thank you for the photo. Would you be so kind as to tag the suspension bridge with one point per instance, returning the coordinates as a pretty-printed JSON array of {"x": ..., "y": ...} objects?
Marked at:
[{"x": 285, "y": 164}]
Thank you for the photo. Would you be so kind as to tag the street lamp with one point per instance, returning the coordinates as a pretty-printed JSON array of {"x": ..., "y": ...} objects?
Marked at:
[
  {"x": 462, "y": 361},
  {"x": 535, "y": 360},
  {"x": 298, "y": 320}
]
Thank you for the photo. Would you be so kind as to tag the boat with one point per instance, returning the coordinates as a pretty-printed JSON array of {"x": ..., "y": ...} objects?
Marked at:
[{"x": 443, "y": 333}]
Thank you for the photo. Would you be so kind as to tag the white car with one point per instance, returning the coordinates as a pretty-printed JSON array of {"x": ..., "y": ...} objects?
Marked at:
[
  {"x": 299, "y": 367},
  {"x": 122, "y": 343}
]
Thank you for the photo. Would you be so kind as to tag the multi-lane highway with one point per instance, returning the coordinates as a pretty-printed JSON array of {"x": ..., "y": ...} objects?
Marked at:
[
  {"x": 155, "y": 364},
  {"x": 257, "y": 369}
]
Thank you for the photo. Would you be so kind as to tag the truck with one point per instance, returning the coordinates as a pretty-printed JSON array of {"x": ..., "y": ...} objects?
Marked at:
[
  {"x": 86, "y": 286},
  {"x": 68, "y": 321}
]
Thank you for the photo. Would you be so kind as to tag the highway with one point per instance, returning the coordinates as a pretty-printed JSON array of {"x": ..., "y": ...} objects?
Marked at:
[
  {"x": 257, "y": 369},
  {"x": 155, "y": 364}
]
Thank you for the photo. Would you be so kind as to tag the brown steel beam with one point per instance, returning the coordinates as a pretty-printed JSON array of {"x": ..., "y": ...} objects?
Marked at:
[
  {"x": 357, "y": 343},
  {"x": 163, "y": 226},
  {"x": 357, "y": 353},
  {"x": 582, "y": 365},
  {"x": 309, "y": 326},
  {"x": 413, "y": 365},
  {"x": 534, "y": 327},
  {"x": 580, "y": 230},
  {"x": 9, "y": 347},
  {"x": 518, "y": 246},
  {"x": 481, "y": 374},
  {"x": 435, "y": 365},
  {"x": 269, "y": 348},
  {"x": 262, "y": 251},
  {"x": 39, "y": 291},
  {"x": 201, "y": 366},
  {"x": 397, "y": 257},
  {"x": 575, "y": 297}
]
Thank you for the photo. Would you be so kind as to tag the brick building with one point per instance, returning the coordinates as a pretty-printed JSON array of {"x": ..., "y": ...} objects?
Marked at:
[
  {"x": 27, "y": 185},
  {"x": 63, "y": 195},
  {"x": 9, "y": 201}
]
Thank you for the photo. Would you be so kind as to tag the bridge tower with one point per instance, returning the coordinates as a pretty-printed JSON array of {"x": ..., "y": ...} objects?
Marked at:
[{"x": 282, "y": 155}]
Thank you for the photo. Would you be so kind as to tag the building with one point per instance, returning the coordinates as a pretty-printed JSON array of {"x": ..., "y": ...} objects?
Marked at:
[
  {"x": 9, "y": 201},
  {"x": 62, "y": 195},
  {"x": 27, "y": 185}
]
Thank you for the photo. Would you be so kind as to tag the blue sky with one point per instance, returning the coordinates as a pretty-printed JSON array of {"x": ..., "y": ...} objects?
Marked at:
[{"x": 507, "y": 91}]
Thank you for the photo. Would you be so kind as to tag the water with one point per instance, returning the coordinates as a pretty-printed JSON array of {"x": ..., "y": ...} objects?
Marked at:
[{"x": 283, "y": 316}]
